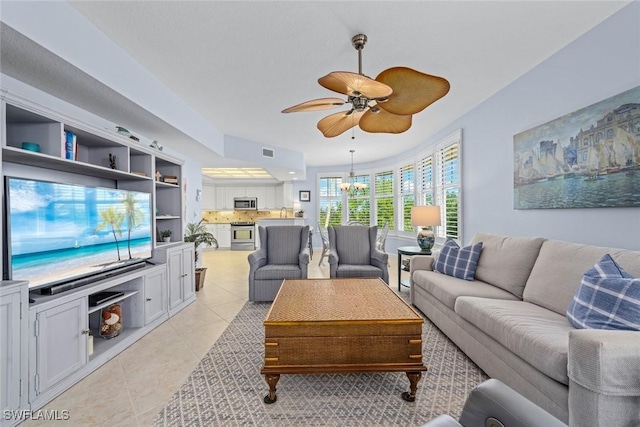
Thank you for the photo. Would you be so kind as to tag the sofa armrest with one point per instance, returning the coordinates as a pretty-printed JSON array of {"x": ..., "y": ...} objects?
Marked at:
[
  {"x": 493, "y": 399},
  {"x": 421, "y": 262},
  {"x": 604, "y": 377}
]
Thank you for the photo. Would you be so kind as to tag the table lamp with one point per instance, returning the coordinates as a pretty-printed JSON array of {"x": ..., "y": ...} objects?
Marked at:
[{"x": 424, "y": 217}]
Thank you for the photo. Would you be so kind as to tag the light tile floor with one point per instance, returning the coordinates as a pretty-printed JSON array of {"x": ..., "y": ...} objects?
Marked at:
[{"x": 133, "y": 387}]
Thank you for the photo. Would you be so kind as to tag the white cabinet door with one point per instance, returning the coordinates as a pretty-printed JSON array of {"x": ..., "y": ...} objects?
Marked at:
[
  {"x": 13, "y": 351},
  {"x": 155, "y": 304},
  {"x": 222, "y": 202},
  {"x": 188, "y": 272},
  {"x": 224, "y": 236},
  {"x": 269, "y": 197},
  {"x": 287, "y": 189},
  {"x": 208, "y": 198},
  {"x": 259, "y": 193},
  {"x": 61, "y": 343},
  {"x": 279, "y": 196},
  {"x": 175, "y": 264}
]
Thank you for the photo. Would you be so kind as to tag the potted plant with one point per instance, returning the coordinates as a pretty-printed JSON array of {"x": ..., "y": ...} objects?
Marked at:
[
  {"x": 166, "y": 235},
  {"x": 198, "y": 233}
]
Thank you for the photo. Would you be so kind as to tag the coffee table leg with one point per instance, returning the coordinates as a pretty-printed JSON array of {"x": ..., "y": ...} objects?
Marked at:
[
  {"x": 272, "y": 380},
  {"x": 414, "y": 377}
]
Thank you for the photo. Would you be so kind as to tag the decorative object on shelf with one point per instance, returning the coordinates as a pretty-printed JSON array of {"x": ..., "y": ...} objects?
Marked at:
[
  {"x": 424, "y": 217},
  {"x": 158, "y": 176},
  {"x": 112, "y": 161},
  {"x": 589, "y": 158},
  {"x": 166, "y": 235},
  {"x": 31, "y": 146},
  {"x": 352, "y": 187},
  {"x": 383, "y": 105},
  {"x": 111, "y": 321},
  {"x": 155, "y": 145},
  {"x": 135, "y": 138},
  {"x": 123, "y": 131},
  {"x": 299, "y": 214},
  {"x": 304, "y": 195},
  {"x": 198, "y": 233},
  {"x": 170, "y": 179}
]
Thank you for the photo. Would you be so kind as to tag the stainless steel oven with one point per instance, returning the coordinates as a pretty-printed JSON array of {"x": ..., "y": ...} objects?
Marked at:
[{"x": 243, "y": 236}]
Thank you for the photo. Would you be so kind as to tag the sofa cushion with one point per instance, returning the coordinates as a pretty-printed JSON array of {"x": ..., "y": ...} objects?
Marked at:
[
  {"x": 558, "y": 271},
  {"x": 279, "y": 271},
  {"x": 607, "y": 298},
  {"x": 446, "y": 288},
  {"x": 506, "y": 261},
  {"x": 538, "y": 336},
  {"x": 456, "y": 261}
]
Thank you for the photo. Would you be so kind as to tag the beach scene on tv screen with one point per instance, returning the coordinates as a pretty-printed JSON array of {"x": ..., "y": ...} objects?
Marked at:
[{"x": 60, "y": 232}]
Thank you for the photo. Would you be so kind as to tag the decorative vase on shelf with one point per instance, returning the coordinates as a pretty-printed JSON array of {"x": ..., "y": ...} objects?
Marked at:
[{"x": 166, "y": 239}]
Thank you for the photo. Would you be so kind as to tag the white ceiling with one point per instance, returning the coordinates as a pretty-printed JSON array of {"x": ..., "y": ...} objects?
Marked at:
[{"x": 239, "y": 63}]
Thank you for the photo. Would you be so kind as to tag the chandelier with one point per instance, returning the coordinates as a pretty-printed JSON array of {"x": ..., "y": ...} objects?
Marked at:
[{"x": 351, "y": 187}]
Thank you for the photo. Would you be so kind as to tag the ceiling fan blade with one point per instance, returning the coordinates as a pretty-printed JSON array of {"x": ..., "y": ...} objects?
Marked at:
[
  {"x": 315, "y": 105},
  {"x": 337, "y": 123},
  {"x": 354, "y": 84},
  {"x": 384, "y": 122},
  {"x": 413, "y": 91}
]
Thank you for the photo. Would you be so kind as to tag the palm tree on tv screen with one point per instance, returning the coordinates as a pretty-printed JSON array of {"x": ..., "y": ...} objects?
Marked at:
[
  {"x": 134, "y": 216},
  {"x": 114, "y": 219}
]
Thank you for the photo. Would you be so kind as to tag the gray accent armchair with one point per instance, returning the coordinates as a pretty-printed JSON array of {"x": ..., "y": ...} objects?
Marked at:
[
  {"x": 353, "y": 253},
  {"x": 493, "y": 404},
  {"x": 283, "y": 254}
]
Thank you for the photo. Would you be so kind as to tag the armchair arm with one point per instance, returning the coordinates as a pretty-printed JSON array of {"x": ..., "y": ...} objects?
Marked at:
[
  {"x": 303, "y": 256},
  {"x": 257, "y": 259},
  {"x": 604, "y": 379},
  {"x": 333, "y": 257},
  {"x": 379, "y": 258},
  {"x": 493, "y": 399}
]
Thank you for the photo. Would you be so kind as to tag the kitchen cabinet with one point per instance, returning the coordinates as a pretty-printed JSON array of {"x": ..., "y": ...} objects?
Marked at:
[
  {"x": 14, "y": 351},
  {"x": 208, "y": 198},
  {"x": 224, "y": 236},
  {"x": 260, "y": 194}
]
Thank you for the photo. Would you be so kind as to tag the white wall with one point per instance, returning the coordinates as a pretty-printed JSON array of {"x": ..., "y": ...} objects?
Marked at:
[{"x": 602, "y": 63}]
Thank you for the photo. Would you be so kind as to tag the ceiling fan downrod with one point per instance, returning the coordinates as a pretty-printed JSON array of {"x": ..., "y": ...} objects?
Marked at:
[{"x": 358, "y": 41}]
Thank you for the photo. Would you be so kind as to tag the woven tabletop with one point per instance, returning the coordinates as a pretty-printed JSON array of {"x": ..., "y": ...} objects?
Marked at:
[{"x": 330, "y": 300}]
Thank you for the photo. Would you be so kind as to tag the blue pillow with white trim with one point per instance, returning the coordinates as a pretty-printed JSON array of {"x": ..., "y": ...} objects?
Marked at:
[
  {"x": 608, "y": 298},
  {"x": 458, "y": 262}
]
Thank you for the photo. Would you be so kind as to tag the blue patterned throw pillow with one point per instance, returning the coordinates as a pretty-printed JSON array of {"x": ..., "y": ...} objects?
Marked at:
[
  {"x": 458, "y": 262},
  {"x": 608, "y": 298}
]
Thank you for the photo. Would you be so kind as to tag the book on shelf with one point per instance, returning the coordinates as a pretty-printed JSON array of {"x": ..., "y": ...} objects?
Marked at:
[
  {"x": 170, "y": 179},
  {"x": 70, "y": 145}
]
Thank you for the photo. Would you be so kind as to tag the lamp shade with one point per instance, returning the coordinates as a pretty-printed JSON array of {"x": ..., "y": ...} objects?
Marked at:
[{"x": 425, "y": 216}]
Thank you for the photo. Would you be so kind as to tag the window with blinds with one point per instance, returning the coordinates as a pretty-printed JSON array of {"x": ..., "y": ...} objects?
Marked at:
[
  {"x": 330, "y": 201},
  {"x": 359, "y": 204},
  {"x": 384, "y": 199},
  {"x": 448, "y": 183},
  {"x": 407, "y": 196},
  {"x": 425, "y": 180}
]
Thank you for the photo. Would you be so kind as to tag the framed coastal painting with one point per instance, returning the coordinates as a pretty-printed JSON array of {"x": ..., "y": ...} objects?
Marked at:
[
  {"x": 305, "y": 195},
  {"x": 586, "y": 159}
]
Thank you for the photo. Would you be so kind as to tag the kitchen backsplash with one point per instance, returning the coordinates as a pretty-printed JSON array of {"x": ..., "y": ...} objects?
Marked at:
[{"x": 225, "y": 217}]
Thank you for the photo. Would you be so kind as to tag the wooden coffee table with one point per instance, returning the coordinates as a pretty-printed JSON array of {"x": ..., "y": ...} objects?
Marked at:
[{"x": 341, "y": 326}]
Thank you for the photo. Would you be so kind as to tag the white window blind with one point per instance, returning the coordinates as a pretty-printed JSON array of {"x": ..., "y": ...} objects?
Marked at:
[
  {"x": 384, "y": 199},
  {"x": 448, "y": 182},
  {"x": 330, "y": 201},
  {"x": 407, "y": 196},
  {"x": 425, "y": 179},
  {"x": 360, "y": 203}
]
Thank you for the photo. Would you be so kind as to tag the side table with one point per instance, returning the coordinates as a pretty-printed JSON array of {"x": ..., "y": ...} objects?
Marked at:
[{"x": 408, "y": 251}]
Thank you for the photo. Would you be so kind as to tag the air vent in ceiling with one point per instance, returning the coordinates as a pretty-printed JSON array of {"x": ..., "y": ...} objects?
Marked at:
[{"x": 267, "y": 152}]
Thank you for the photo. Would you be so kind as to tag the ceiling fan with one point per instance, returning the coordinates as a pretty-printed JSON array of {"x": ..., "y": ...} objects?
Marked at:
[{"x": 383, "y": 105}]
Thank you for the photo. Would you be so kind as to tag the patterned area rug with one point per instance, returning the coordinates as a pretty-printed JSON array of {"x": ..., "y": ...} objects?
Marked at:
[{"x": 226, "y": 389}]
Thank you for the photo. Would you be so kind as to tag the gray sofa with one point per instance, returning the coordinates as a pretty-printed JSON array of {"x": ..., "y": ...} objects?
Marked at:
[{"x": 511, "y": 321}]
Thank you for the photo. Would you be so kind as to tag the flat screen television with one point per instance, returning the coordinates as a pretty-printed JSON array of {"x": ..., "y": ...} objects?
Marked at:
[{"x": 63, "y": 233}]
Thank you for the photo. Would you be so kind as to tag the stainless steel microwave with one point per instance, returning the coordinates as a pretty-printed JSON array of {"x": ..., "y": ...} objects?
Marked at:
[{"x": 245, "y": 203}]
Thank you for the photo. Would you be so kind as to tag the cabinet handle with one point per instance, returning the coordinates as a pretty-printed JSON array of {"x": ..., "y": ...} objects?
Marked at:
[
  {"x": 184, "y": 275},
  {"x": 86, "y": 331},
  {"x": 148, "y": 299}
]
